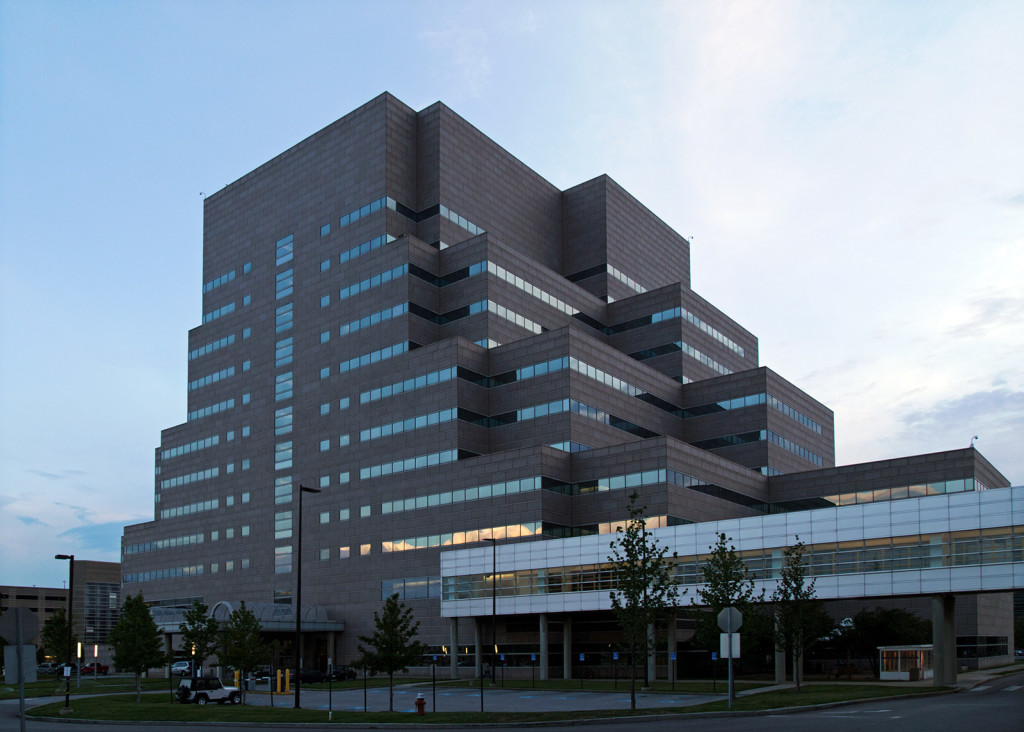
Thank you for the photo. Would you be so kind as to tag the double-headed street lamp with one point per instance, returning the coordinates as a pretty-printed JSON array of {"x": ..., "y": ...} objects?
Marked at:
[
  {"x": 298, "y": 597},
  {"x": 67, "y": 656}
]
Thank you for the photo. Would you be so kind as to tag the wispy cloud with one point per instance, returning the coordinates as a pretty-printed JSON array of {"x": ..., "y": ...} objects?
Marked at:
[
  {"x": 31, "y": 521},
  {"x": 1000, "y": 408},
  {"x": 96, "y": 537},
  {"x": 60, "y": 475}
]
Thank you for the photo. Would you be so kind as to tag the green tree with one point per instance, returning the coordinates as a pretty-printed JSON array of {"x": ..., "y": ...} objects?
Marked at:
[
  {"x": 243, "y": 646},
  {"x": 800, "y": 618},
  {"x": 645, "y": 588},
  {"x": 136, "y": 641},
  {"x": 53, "y": 636},
  {"x": 199, "y": 635},
  {"x": 394, "y": 643},
  {"x": 884, "y": 627},
  {"x": 727, "y": 584}
]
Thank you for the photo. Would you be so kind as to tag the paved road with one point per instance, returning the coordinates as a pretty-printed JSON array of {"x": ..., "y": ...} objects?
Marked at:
[{"x": 997, "y": 705}]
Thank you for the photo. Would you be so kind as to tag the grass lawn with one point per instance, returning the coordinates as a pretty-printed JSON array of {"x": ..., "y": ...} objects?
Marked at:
[
  {"x": 808, "y": 695},
  {"x": 157, "y": 707},
  {"x": 54, "y": 686}
]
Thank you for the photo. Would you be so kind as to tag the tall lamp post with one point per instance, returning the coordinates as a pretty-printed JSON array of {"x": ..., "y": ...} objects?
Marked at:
[
  {"x": 494, "y": 604},
  {"x": 67, "y": 655},
  {"x": 298, "y": 597}
]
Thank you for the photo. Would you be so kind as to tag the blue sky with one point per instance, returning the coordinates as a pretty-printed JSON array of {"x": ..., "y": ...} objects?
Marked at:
[{"x": 851, "y": 175}]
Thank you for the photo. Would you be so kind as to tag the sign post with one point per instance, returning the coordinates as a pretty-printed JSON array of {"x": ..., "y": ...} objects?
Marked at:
[
  {"x": 19, "y": 626},
  {"x": 730, "y": 620}
]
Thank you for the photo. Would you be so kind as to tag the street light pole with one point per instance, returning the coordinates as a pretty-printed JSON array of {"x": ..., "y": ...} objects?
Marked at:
[
  {"x": 494, "y": 603},
  {"x": 71, "y": 594},
  {"x": 298, "y": 597}
]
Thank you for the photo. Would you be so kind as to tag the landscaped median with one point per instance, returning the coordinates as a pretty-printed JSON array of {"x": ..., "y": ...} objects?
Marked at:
[{"x": 157, "y": 707}]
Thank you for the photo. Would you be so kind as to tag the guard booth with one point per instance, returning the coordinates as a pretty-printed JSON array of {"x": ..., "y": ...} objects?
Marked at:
[{"x": 905, "y": 663}]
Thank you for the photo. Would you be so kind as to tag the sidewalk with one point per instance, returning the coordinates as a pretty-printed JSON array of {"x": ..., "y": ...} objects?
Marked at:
[{"x": 964, "y": 680}]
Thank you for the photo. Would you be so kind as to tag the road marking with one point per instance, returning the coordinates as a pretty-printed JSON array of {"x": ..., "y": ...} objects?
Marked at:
[
  {"x": 981, "y": 688},
  {"x": 1013, "y": 688}
]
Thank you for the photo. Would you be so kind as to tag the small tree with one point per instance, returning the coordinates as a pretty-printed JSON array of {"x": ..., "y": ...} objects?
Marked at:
[
  {"x": 726, "y": 584},
  {"x": 199, "y": 635},
  {"x": 243, "y": 646},
  {"x": 54, "y": 636},
  {"x": 136, "y": 641},
  {"x": 800, "y": 617},
  {"x": 645, "y": 588},
  {"x": 884, "y": 627},
  {"x": 393, "y": 642}
]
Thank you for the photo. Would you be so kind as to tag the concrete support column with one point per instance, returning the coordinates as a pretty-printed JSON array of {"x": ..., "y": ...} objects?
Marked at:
[
  {"x": 453, "y": 648},
  {"x": 780, "y": 660},
  {"x": 671, "y": 648},
  {"x": 567, "y": 648},
  {"x": 543, "y": 655},
  {"x": 478, "y": 641},
  {"x": 651, "y": 670},
  {"x": 944, "y": 639}
]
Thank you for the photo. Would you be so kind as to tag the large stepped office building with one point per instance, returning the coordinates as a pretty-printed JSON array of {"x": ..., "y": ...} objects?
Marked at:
[{"x": 400, "y": 314}]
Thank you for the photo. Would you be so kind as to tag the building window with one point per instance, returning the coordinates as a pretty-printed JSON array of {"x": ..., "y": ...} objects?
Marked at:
[
  {"x": 343, "y": 552},
  {"x": 365, "y": 511},
  {"x": 364, "y": 550},
  {"x": 325, "y": 554},
  {"x": 325, "y": 517}
]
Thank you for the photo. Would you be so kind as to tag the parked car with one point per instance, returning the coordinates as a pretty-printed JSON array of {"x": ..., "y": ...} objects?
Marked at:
[
  {"x": 342, "y": 673},
  {"x": 94, "y": 668},
  {"x": 207, "y": 689},
  {"x": 181, "y": 668},
  {"x": 47, "y": 667},
  {"x": 311, "y": 676}
]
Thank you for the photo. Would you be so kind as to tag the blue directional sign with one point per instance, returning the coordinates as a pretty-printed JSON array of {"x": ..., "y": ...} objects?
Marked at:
[
  {"x": 502, "y": 656},
  {"x": 673, "y": 655},
  {"x": 714, "y": 655},
  {"x": 615, "y": 655},
  {"x": 581, "y": 658},
  {"x": 533, "y": 656}
]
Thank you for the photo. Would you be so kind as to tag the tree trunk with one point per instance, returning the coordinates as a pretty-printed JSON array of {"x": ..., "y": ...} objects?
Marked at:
[
  {"x": 391, "y": 691},
  {"x": 138, "y": 687}
]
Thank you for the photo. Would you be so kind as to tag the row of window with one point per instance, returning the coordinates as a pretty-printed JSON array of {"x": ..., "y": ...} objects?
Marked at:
[
  {"x": 750, "y": 400},
  {"x": 193, "y": 446},
  {"x": 190, "y": 509},
  {"x": 218, "y": 281},
  {"x": 214, "y": 409},
  {"x": 159, "y": 574},
  {"x": 195, "y": 477},
  {"x": 213, "y": 378},
  {"x": 413, "y": 463},
  {"x": 285, "y": 249},
  {"x": 433, "y": 541},
  {"x": 283, "y": 317},
  {"x": 961, "y": 548},
  {"x": 917, "y": 490},
  {"x": 407, "y": 425},
  {"x": 375, "y": 356},
  {"x": 746, "y": 438},
  {"x": 219, "y": 312},
  {"x": 151, "y": 546},
  {"x": 492, "y": 490},
  {"x": 676, "y": 346},
  {"x": 211, "y": 347}
]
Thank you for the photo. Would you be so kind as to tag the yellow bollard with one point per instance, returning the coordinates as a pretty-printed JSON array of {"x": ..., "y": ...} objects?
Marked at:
[
  {"x": 288, "y": 681},
  {"x": 279, "y": 681},
  {"x": 236, "y": 680}
]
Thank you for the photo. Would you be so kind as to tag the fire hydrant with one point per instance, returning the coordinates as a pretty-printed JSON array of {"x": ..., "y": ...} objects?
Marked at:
[{"x": 421, "y": 703}]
